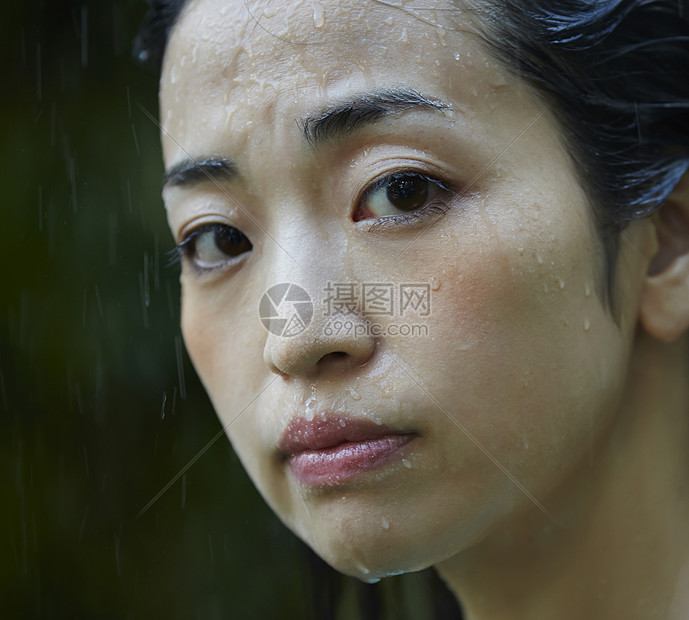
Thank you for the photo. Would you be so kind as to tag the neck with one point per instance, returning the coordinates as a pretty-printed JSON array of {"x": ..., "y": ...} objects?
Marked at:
[{"x": 620, "y": 547}]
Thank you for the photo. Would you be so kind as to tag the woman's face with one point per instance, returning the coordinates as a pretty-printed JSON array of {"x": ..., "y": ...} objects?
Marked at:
[{"x": 428, "y": 173}]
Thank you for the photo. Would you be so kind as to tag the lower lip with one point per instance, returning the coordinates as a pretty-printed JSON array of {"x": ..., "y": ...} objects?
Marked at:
[{"x": 347, "y": 460}]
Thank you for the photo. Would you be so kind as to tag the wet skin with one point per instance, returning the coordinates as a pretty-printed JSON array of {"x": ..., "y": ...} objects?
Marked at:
[{"x": 522, "y": 372}]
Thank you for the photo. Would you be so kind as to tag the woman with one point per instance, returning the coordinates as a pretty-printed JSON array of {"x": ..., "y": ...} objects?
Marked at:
[{"x": 491, "y": 174}]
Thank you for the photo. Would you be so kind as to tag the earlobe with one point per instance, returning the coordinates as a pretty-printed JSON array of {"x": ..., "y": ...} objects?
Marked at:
[{"x": 664, "y": 311}]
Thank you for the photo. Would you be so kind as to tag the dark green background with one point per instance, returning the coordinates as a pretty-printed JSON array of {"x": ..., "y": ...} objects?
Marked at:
[{"x": 99, "y": 405}]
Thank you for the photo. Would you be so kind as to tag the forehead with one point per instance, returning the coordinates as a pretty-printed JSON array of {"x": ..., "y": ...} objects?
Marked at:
[
  {"x": 308, "y": 33},
  {"x": 230, "y": 64}
]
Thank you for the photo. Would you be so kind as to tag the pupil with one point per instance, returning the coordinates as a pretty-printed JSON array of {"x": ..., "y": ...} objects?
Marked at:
[
  {"x": 231, "y": 241},
  {"x": 408, "y": 193}
]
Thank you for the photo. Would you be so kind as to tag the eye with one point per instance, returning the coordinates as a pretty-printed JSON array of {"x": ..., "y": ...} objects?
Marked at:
[
  {"x": 401, "y": 196},
  {"x": 213, "y": 246}
]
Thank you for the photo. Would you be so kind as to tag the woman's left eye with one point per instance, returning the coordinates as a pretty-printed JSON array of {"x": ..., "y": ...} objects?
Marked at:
[{"x": 402, "y": 197}]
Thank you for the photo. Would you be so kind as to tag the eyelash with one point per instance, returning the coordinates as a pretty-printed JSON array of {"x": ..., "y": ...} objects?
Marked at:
[
  {"x": 435, "y": 207},
  {"x": 184, "y": 250}
]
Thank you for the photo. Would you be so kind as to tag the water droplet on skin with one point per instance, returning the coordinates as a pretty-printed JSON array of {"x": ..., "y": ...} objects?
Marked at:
[
  {"x": 354, "y": 394},
  {"x": 562, "y": 282},
  {"x": 406, "y": 463},
  {"x": 520, "y": 250},
  {"x": 457, "y": 56},
  {"x": 385, "y": 523},
  {"x": 310, "y": 403},
  {"x": 587, "y": 325},
  {"x": 318, "y": 15},
  {"x": 361, "y": 568},
  {"x": 539, "y": 259},
  {"x": 526, "y": 443},
  {"x": 587, "y": 290},
  {"x": 173, "y": 76},
  {"x": 342, "y": 423},
  {"x": 403, "y": 37},
  {"x": 441, "y": 36},
  {"x": 435, "y": 284}
]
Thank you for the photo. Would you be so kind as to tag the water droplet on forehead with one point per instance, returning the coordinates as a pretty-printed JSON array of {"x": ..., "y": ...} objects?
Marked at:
[
  {"x": 318, "y": 15},
  {"x": 385, "y": 523}
]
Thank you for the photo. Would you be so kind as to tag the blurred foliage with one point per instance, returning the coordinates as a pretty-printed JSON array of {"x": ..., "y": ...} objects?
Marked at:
[{"x": 99, "y": 405}]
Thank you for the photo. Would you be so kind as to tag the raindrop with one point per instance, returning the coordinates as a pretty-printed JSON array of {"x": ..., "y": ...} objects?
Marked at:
[
  {"x": 318, "y": 15},
  {"x": 562, "y": 282},
  {"x": 457, "y": 56},
  {"x": 587, "y": 325},
  {"x": 435, "y": 284},
  {"x": 83, "y": 522},
  {"x": 310, "y": 408},
  {"x": 84, "y": 36},
  {"x": 162, "y": 407},
  {"x": 136, "y": 140},
  {"x": 180, "y": 369},
  {"x": 587, "y": 290},
  {"x": 39, "y": 90},
  {"x": 354, "y": 394},
  {"x": 184, "y": 490},
  {"x": 385, "y": 523}
]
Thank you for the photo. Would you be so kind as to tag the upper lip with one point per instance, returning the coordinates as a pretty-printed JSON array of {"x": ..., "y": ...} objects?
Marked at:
[{"x": 327, "y": 430}]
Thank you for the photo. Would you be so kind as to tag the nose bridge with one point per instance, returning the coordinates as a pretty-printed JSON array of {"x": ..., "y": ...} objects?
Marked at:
[{"x": 307, "y": 333}]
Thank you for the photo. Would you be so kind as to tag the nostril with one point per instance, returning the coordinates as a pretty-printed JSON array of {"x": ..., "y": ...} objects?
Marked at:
[{"x": 334, "y": 355}]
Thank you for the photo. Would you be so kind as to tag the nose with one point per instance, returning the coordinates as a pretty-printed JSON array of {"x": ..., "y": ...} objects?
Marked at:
[{"x": 328, "y": 344}]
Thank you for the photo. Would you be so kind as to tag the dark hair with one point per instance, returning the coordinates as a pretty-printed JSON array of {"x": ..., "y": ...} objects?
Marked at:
[
  {"x": 615, "y": 72},
  {"x": 151, "y": 41},
  {"x": 616, "y": 75}
]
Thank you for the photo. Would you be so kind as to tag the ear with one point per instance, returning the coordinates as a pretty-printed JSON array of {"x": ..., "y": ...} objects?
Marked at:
[{"x": 665, "y": 298}]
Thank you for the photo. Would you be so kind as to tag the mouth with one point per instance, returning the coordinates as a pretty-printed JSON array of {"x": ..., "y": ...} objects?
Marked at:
[{"x": 332, "y": 449}]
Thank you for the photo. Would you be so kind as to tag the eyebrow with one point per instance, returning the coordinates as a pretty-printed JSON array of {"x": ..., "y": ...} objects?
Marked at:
[
  {"x": 334, "y": 122},
  {"x": 346, "y": 118},
  {"x": 191, "y": 171}
]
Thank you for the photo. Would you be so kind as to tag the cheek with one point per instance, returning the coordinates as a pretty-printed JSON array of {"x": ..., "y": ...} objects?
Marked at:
[
  {"x": 525, "y": 355},
  {"x": 222, "y": 335}
]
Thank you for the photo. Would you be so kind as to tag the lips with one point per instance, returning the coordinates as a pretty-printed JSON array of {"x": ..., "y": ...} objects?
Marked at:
[{"x": 331, "y": 449}]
